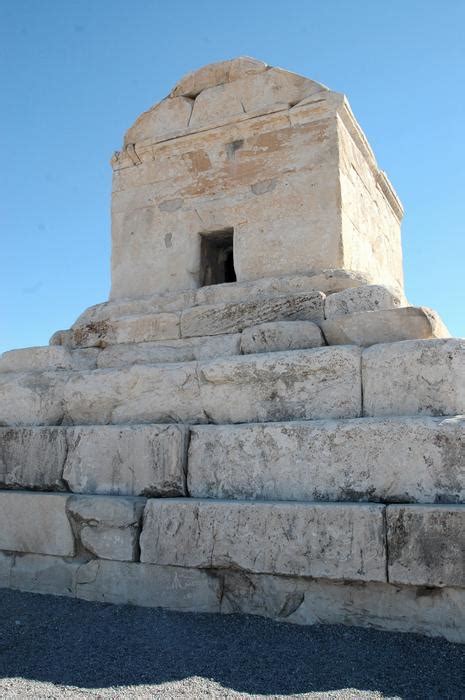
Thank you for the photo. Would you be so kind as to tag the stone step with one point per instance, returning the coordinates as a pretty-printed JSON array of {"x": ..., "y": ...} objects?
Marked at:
[
  {"x": 384, "y": 326},
  {"x": 136, "y": 460},
  {"x": 291, "y": 599},
  {"x": 204, "y": 320},
  {"x": 326, "y": 281},
  {"x": 317, "y": 383},
  {"x": 403, "y": 460},
  {"x": 335, "y": 541}
]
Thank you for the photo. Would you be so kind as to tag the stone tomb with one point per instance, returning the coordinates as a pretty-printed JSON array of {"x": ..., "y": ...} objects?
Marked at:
[{"x": 256, "y": 420}]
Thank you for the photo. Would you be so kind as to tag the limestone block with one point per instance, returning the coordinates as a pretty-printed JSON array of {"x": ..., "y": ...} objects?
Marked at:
[
  {"x": 107, "y": 526},
  {"x": 234, "y": 317},
  {"x": 161, "y": 121},
  {"x": 60, "y": 338},
  {"x": 130, "y": 329},
  {"x": 85, "y": 358},
  {"x": 430, "y": 611},
  {"x": 151, "y": 586},
  {"x": 127, "y": 460},
  {"x": 32, "y": 458},
  {"x": 326, "y": 281},
  {"x": 139, "y": 394},
  {"x": 367, "y": 459},
  {"x": 302, "y": 384},
  {"x": 120, "y": 308},
  {"x": 426, "y": 545},
  {"x": 182, "y": 350},
  {"x": 32, "y": 398},
  {"x": 33, "y": 359},
  {"x": 281, "y": 335},
  {"x": 370, "y": 297},
  {"x": 384, "y": 326},
  {"x": 35, "y": 522},
  {"x": 274, "y": 88},
  {"x": 414, "y": 377},
  {"x": 335, "y": 540},
  {"x": 37, "y": 573},
  {"x": 216, "y": 74}
]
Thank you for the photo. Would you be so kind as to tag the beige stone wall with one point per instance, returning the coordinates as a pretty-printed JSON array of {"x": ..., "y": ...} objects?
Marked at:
[{"x": 370, "y": 211}]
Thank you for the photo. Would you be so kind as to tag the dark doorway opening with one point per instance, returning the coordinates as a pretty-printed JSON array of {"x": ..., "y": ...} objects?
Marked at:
[{"x": 217, "y": 257}]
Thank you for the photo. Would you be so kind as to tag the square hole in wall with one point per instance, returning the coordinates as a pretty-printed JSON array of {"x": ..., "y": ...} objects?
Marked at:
[{"x": 217, "y": 257}]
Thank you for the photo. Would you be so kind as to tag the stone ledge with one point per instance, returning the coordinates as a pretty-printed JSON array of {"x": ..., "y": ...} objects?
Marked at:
[
  {"x": 362, "y": 459},
  {"x": 335, "y": 541}
]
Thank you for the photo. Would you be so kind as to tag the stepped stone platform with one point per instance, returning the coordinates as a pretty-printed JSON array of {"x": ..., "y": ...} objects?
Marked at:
[{"x": 257, "y": 420}]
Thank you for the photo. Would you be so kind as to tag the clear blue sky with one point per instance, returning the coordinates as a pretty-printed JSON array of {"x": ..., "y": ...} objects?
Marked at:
[{"x": 75, "y": 74}]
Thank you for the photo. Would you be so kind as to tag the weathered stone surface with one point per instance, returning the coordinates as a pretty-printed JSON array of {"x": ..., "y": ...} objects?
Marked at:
[
  {"x": 216, "y": 74},
  {"x": 274, "y": 88},
  {"x": 369, "y": 297},
  {"x": 33, "y": 359},
  {"x": 39, "y": 573},
  {"x": 138, "y": 394},
  {"x": 32, "y": 458},
  {"x": 385, "y": 326},
  {"x": 335, "y": 541},
  {"x": 35, "y": 522},
  {"x": 85, "y": 358},
  {"x": 107, "y": 526},
  {"x": 430, "y": 611},
  {"x": 127, "y": 460},
  {"x": 31, "y": 398},
  {"x": 414, "y": 377},
  {"x": 164, "y": 120},
  {"x": 281, "y": 335},
  {"x": 130, "y": 329},
  {"x": 152, "y": 586},
  {"x": 426, "y": 545},
  {"x": 232, "y": 318},
  {"x": 182, "y": 350},
  {"x": 60, "y": 338},
  {"x": 367, "y": 459},
  {"x": 307, "y": 384}
]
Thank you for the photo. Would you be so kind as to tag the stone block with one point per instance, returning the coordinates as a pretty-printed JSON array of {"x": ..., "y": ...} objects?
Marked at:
[
  {"x": 414, "y": 377},
  {"x": 335, "y": 541},
  {"x": 36, "y": 359},
  {"x": 85, "y": 358},
  {"x": 182, "y": 350},
  {"x": 302, "y": 384},
  {"x": 367, "y": 297},
  {"x": 139, "y": 394},
  {"x": 217, "y": 74},
  {"x": 426, "y": 545},
  {"x": 431, "y": 611},
  {"x": 281, "y": 335},
  {"x": 385, "y": 326},
  {"x": 107, "y": 526},
  {"x": 131, "y": 329},
  {"x": 32, "y": 398},
  {"x": 32, "y": 458},
  {"x": 36, "y": 523},
  {"x": 127, "y": 460},
  {"x": 169, "y": 587},
  {"x": 367, "y": 459},
  {"x": 37, "y": 573},
  {"x": 166, "y": 118},
  {"x": 234, "y": 317}
]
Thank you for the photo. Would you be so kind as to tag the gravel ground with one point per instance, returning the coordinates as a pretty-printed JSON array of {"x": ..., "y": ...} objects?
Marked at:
[{"x": 62, "y": 648}]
